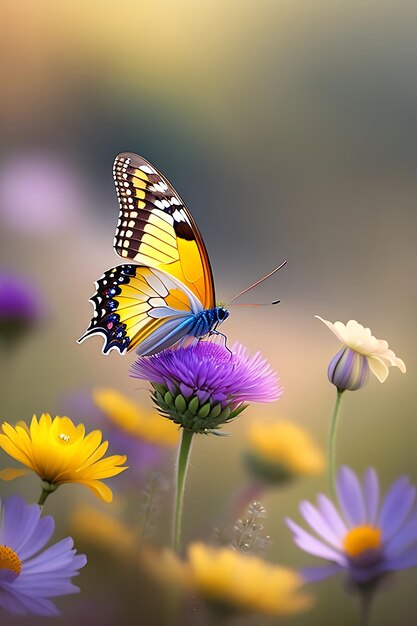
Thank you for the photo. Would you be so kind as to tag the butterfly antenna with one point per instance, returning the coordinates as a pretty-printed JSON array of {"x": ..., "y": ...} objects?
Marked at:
[
  {"x": 258, "y": 283},
  {"x": 257, "y": 304}
]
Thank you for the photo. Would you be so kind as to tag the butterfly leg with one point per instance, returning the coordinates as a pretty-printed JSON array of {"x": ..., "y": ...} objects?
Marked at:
[{"x": 217, "y": 332}]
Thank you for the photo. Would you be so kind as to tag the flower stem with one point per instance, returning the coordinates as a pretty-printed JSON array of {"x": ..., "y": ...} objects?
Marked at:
[
  {"x": 45, "y": 493},
  {"x": 183, "y": 456},
  {"x": 47, "y": 489},
  {"x": 331, "y": 454}
]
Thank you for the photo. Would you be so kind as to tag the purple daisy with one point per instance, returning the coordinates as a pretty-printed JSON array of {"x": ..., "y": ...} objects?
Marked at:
[
  {"x": 203, "y": 385},
  {"x": 29, "y": 574},
  {"x": 367, "y": 538}
]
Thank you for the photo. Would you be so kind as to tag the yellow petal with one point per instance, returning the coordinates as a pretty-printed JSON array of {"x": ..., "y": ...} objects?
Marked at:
[{"x": 10, "y": 473}]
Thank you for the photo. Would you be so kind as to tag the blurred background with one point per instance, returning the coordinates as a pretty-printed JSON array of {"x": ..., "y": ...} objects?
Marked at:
[{"x": 289, "y": 128}]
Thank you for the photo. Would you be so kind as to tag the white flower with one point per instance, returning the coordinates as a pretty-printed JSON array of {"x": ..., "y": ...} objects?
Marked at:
[{"x": 360, "y": 340}]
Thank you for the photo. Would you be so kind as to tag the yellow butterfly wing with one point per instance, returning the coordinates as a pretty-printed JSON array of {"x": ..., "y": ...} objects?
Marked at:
[
  {"x": 155, "y": 228},
  {"x": 142, "y": 308}
]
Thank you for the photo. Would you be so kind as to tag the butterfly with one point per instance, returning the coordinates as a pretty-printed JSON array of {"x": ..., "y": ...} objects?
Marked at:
[{"x": 164, "y": 293}]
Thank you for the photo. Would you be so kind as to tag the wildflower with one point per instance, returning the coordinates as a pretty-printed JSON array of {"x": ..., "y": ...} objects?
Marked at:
[
  {"x": 29, "y": 574},
  {"x": 60, "y": 452},
  {"x": 134, "y": 421},
  {"x": 202, "y": 386},
  {"x": 367, "y": 538},
  {"x": 104, "y": 531},
  {"x": 278, "y": 451},
  {"x": 361, "y": 354},
  {"x": 232, "y": 581},
  {"x": 20, "y": 308}
]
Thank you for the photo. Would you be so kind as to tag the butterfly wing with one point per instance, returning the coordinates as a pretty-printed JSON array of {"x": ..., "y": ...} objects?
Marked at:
[
  {"x": 141, "y": 308},
  {"x": 155, "y": 228}
]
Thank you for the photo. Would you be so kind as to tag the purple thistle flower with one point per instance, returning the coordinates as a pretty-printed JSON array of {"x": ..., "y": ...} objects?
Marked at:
[
  {"x": 203, "y": 385},
  {"x": 367, "y": 538},
  {"x": 30, "y": 574}
]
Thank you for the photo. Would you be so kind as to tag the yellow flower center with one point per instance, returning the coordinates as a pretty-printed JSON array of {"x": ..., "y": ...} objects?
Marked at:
[
  {"x": 360, "y": 539},
  {"x": 64, "y": 438},
  {"x": 9, "y": 560}
]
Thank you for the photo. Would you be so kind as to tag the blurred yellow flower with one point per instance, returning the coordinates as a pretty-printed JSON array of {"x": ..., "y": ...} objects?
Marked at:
[
  {"x": 103, "y": 531},
  {"x": 134, "y": 421},
  {"x": 279, "y": 450},
  {"x": 377, "y": 355},
  {"x": 229, "y": 579},
  {"x": 60, "y": 452}
]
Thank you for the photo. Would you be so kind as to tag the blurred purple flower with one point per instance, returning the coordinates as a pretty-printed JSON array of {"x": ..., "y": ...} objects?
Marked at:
[
  {"x": 203, "y": 385},
  {"x": 38, "y": 193},
  {"x": 30, "y": 574},
  {"x": 367, "y": 538},
  {"x": 21, "y": 307}
]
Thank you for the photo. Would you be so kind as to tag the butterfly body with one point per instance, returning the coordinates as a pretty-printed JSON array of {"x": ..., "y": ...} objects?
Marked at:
[{"x": 168, "y": 296}]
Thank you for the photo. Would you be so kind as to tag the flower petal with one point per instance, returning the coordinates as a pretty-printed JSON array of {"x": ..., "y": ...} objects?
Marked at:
[
  {"x": 378, "y": 368},
  {"x": 313, "y": 546},
  {"x": 319, "y": 524},
  {"x": 371, "y": 494},
  {"x": 396, "y": 507},
  {"x": 10, "y": 473},
  {"x": 350, "y": 497}
]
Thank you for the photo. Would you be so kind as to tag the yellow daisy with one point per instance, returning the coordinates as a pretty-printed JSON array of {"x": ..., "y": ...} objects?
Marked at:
[
  {"x": 134, "y": 421},
  {"x": 229, "y": 579},
  {"x": 60, "y": 452},
  {"x": 280, "y": 450}
]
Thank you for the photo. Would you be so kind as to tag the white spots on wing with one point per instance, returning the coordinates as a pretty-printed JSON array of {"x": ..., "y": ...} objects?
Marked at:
[
  {"x": 179, "y": 216},
  {"x": 159, "y": 204},
  {"x": 129, "y": 233},
  {"x": 124, "y": 253},
  {"x": 166, "y": 204},
  {"x": 126, "y": 243},
  {"x": 147, "y": 169},
  {"x": 131, "y": 224},
  {"x": 161, "y": 186},
  {"x": 175, "y": 201},
  {"x": 133, "y": 214}
]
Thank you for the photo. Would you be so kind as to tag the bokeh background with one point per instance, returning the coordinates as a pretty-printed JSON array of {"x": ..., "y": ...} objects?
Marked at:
[{"x": 289, "y": 128}]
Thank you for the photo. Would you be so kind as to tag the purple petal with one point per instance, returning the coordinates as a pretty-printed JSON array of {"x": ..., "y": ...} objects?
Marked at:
[
  {"x": 396, "y": 507},
  {"x": 350, "y": 497},
  {"x": 319, "y": 524},
  {"x": 18, "y": 521},
  {"x": 403, "y": 539},
  {"x": 402, "y": 562},
  {"x": 317, "y": 574},
  {"x": 332, "y": 515},
  {"x": 313, "y": 546},
  {"x": 23, "y": 604},
  {"x": 371, "y": 493}
]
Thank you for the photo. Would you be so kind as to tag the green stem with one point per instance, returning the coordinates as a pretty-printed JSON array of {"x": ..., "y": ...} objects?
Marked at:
[
  {"x": 183, "y": 456},
  {"x": 331, "y": 454},
  {"x": 47, "y": 489},
  {"x": 45, "y": 493},
  {"x": 365, "y": 600}
]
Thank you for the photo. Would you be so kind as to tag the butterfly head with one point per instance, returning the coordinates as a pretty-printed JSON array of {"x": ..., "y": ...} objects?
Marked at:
[{"x": 222, "y": 313}]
